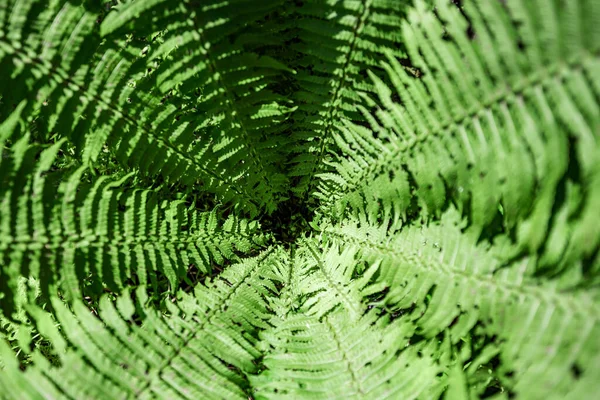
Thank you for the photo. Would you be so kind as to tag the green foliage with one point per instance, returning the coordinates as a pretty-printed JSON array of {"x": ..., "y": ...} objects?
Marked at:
[{"x": 233, "y": 199}]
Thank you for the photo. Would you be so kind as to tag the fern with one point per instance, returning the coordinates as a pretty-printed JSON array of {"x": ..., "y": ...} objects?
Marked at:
[
  {"x": 93, "y": 230},
  {"x": 336, "y": 44},
  {"x": 299, "y": 199}
]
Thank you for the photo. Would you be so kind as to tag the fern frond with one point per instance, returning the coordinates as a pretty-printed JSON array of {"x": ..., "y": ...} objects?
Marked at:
[
  {"x": 329, "y": 278},
  {"x": 337, "y": 357},
  {"x": 108, "y": 94},
  {"x": 131, "y": 350},
  {"x": 339, "y": 41},
  {"x": 107, "y": 233},
  {"x": 448, "y": 150},
  {"x": 482, "y": 130},
  {"x": 445, "y": 281},
  {"x": 229, "y": 84},
  {"x": 511, "y": 144},
  {"x": 322, "y": 342}
]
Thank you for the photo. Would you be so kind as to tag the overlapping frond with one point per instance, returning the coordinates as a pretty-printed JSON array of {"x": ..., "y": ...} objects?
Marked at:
[
  {"x": 206, "y": 53},
  {"x": 448, "y": 149},
  {"x": 323, "y": 343},
  {"x": 134, "y": 93},
  {"x": 334, "y": 358},
  {"x": 328, "y": 278},
  {"x": 496, "y": 119},
  {"x": 445, "y": 281},
  {"x": 474, "y": 187},
  {"x": 107, "y": 232},
  {"x": 337, "y": 42},
  {"x": 201, "y": 346}
]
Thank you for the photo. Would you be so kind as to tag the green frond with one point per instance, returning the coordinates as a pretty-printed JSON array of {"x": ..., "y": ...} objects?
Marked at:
[
  {"x": 481, "y": 130},
  {"x": 503, "y": 130},
  {"x": 104, "y": 234},
  {"x": 337, "y": 357},
  {"x": 128, "y": 349},
  {"x": 229, "y": 85},
  {"x": 329, "y": 278},
  {"x": 322, "y": 343},
  {"x": 301, "y": 199},
  {"x": 109, "y": 93},
  {"x": 446, "y": 281},
  {"x": 338, "y": 42}
]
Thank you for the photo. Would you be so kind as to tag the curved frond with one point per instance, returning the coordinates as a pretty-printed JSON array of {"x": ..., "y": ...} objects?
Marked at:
[
  {"x": 205, "y": 56},
  {"x": 109, "y": 94},
  {"x": 323, "y": 344},
  {"x": 444, "y": 281},
  {"x": 339, "y": 358},
  {"x": 338, "y": 42},
  {"x": 128, "y": 349},
  {"x": 62, "y": 227},
  {"x": 421, "y": 178},
  {"x": 484, "y": 127}
]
